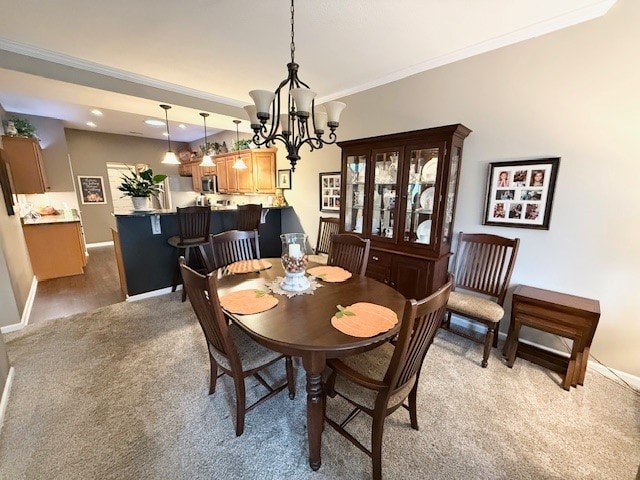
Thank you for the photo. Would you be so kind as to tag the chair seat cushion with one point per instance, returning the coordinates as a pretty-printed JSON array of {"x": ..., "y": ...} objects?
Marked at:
[
  {"x": 475, "y": 307},
  {"x": 175, "y": 242},
  {"x": 251, "y": 353},
  {"x": 374, "y": 364},
  {"x": 321, "y": 259}
]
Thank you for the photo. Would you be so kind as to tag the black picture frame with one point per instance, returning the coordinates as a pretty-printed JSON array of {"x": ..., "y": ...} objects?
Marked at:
[
  {"x": 329, "y": 186},
  {"x": 91, "y": 189},
  {"x": 520, "y": 193},
  {"x": 284, "y": 179}
]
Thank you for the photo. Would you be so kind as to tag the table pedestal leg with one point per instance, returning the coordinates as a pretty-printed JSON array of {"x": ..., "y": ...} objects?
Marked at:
[{"x": 314, "y": 364}]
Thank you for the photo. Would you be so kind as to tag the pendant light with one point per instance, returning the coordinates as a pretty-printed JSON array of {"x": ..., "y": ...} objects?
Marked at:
[
  {"x": 239, "y": 163},
  {"x": 169, "y": 157},
  {"x": 207, "y": 161},
  {"x": 298, "y": 119}
]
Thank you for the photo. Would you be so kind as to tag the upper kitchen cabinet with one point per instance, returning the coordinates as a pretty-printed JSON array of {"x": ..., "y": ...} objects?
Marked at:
[
  {"x": 400, "y": 191},
  {"x": 25, "y": 159},
  {"x": 258, "y": 177}
]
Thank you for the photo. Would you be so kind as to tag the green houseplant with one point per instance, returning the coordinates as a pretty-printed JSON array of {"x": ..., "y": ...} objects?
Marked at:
[{"x": 140, "y": 186}]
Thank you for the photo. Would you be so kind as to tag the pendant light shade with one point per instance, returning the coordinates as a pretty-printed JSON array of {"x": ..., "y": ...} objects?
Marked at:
[
  {"x": 207, "y": 161},
  {"x": 169, "y": 157},
  {"x": 239, "y": 163}
]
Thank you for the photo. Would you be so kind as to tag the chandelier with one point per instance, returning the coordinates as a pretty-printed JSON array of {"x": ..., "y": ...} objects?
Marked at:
[
  {"x": 300, "y": 122},
  {"x": 207, "y": 161}
]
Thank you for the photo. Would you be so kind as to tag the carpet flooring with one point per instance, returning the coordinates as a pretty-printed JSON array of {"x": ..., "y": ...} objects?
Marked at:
[{"x": 121, "y": 393}]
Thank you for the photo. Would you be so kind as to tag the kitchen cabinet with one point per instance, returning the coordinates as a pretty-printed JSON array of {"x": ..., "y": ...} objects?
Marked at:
[
  {"x": 198, "y": 172},
  {"x": 400, "y": 191},
  {"x": 27, "y": 168},
  {"x": 258, "y": 177},
  {"x": 56, "y": 248}
]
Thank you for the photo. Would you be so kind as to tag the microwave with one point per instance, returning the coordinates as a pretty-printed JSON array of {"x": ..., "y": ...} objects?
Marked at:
[{"x": 209, "y": 184}]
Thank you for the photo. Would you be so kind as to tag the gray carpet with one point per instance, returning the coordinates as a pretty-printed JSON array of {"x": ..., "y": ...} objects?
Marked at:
[{"x": 122, "y": 393}]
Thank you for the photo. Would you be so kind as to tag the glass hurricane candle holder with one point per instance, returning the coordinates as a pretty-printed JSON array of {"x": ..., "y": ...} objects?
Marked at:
[{"x": 294, "y": 261}]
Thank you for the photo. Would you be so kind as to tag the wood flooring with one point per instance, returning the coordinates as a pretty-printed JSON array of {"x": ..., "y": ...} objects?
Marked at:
[{"x": 98, "y": 287}]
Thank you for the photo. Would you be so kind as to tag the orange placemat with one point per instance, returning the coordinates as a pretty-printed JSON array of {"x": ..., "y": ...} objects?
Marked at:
[
  {"x": 364, "y": 319},
  {"x": 330, "y": 273},
  {"x": 248, "y": 266},
  {"x": 246, "y": 302}
]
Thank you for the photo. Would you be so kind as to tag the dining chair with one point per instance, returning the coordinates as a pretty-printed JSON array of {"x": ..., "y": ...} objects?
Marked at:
[
  {"x": 232, "y": 246},
  {"x": 378, "y": 382},
  {"x": 327, "y": 228},
  {"x": 230, "y": 349},
  {"x": 193, "y": 233},
  {"x": 482, "y": 269},
  {"x": 350, "y": 252},
  {"x": 248, "y": 217}
]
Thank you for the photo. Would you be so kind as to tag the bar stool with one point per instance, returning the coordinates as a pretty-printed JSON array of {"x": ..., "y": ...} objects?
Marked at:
[
  {"x": 248, "y": 217},
  {"x": 193, "y": 226}
]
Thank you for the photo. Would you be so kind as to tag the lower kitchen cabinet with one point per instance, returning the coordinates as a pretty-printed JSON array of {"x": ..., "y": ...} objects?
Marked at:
[{"x": 55, "y": 249}]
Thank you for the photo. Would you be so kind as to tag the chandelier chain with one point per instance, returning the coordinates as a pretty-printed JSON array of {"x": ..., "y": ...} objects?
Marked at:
[{"x": 293, "y": 44}]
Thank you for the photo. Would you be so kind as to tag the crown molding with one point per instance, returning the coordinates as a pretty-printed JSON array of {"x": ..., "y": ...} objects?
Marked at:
[
  {"x": 69, "y": 61},
  {"x": 580, "y": 15}
]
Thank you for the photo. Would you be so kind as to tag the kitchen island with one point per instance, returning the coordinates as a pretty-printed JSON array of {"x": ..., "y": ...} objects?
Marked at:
[{"x": 146, "y": 261}]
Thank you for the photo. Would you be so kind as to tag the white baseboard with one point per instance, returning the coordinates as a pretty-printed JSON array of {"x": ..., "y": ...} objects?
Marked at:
[
  {"x": 26, "y": 313},
  {"x": 99, "y": 244},
  {"x": 4, "y": 400},
  {"x": 153, "y": 293},
  {"x": 611, "y": 373}
]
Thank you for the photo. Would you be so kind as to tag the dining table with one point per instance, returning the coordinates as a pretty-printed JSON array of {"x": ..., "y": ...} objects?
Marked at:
[{"x": 300, "y": 326}]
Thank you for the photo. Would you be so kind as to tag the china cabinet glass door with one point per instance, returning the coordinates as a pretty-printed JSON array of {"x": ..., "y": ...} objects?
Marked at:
[
  {"x": 386, "y": 165},
  {"x": 421, "y": 173},
  {"x": 452, "y": 191},
  {"x": 355, "y": 193}
]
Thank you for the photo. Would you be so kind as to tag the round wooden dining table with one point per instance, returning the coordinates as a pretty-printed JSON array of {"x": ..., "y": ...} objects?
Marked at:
[{"x": 300, "y": 326}]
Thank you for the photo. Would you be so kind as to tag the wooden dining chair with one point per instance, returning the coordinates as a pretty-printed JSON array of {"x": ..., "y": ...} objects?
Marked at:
[
  {"x": 482, "y": 269},
  {"x": 328, "y": 227},
  {"x": 350, "y": 252},
  {"x": 378, "y": 381},
  {"x": 193, "y": 233},
  {"x": 248, "y": 217},
  {"x": 232, "y": 246},
  {"x": 230, "y": 349}
]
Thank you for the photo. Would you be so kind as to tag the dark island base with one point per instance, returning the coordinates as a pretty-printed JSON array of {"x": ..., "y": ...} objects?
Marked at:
[{"x": 149, "y": 261}]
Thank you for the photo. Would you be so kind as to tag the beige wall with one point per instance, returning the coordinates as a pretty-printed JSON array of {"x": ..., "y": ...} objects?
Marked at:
[
  {"x": 573, "y": 94},
  {"x": 90, "y": 152}
]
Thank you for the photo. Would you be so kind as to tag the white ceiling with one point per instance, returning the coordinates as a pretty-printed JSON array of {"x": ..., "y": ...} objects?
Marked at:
[{"x": 61, "y": 59}]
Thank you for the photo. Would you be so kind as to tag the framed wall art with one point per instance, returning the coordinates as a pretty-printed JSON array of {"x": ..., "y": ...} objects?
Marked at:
[
  {"x": 520, "y": 193},
  {"x": 91, "y": 189},
  {"x": 284, "y": 179},
  {"x": 330, "y": 192}
]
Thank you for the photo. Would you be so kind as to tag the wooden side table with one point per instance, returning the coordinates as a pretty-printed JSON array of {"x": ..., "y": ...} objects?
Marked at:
[{"x": 569, "y": 316}]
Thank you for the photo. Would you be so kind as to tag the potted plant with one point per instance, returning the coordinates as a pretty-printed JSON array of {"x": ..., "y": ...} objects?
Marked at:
[
  {"x": 20, "y": 127},
  {"x": 140, "y": 186}
]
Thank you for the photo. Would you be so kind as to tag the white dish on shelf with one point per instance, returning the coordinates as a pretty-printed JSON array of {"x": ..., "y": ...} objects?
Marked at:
[
  {"x": 424, "y": 231},
  {"x": 426, "y": 198},
  {"x": 429, "y": 170}
]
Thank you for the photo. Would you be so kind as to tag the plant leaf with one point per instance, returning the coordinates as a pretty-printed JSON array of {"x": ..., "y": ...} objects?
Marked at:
[
  {"x": 339, "y": 315},
  {"x": 348, "y": 313},
  {"x": 260, "y": 293}
]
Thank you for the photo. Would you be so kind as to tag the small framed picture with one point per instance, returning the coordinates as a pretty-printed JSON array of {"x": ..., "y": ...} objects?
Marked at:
[
  {"x": 91, "y": 189},
  {"x": 330, "y": 192},
  {"x": 520, "y": 193},
  {"x": 284, "y": 179}
]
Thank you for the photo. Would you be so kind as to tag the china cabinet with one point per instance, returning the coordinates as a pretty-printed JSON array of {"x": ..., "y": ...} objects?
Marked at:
[
  {"x": 27, "y": 168},
  {"x": 400, "y": 191}
]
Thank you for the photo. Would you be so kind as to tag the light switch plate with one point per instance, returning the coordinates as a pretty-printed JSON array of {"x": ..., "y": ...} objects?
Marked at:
[{"x": 155, "y": 224}]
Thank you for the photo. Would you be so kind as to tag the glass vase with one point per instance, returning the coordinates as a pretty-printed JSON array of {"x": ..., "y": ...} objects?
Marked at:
[{"x": 294, "y": 261}]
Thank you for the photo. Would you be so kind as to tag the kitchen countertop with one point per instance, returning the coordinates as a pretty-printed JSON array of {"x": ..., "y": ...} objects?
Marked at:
[
  {"x": 131, "y": 213},
  {"x": 48, "y": 219}
]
